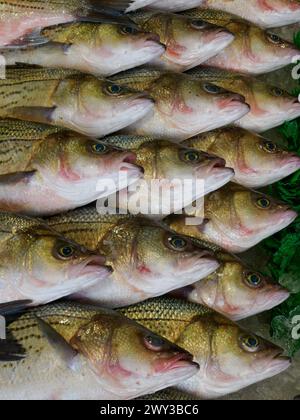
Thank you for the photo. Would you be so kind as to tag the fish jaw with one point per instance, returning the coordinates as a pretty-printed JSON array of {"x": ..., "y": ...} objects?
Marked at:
[
  {"x": 270, "y": 117},
  {"x": 123, "y": 114},
  {"x": 207, "y": 385},
  {"x": 189, "y": 56},
  {"x": 260, "y": 178}
]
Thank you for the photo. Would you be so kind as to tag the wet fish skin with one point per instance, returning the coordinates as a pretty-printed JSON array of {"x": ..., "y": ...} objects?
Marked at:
[
  {"x": 267, "y": 14},
  {"x": 189, "y": 42},
  {"x": 83, "y": 103},
  {"x": 257, "y": 161},
  {"x": 39, "y": 264},
  {"x": 236, "y": 359},
  {"x": 45, "y": 170},
  {"x": 141, "y": 254},
  {"x": 253, "y": 51},
  {"x": 104, "y": 341},
  {"x": 100, "y": 49},
  {"x": 183, "y": 106},
  {"x": 270, "y": 105},
  {"x": 19, "y": 18},
  {"x": 235, "y": 218},
  {"x": 165, "y": 162},
  {"x": 235, "y": 290}
]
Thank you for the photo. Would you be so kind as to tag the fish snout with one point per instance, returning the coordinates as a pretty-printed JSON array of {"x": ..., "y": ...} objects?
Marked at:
[
  {"x": 236, "y": 97},
  {"x": 153, "y": 38}
]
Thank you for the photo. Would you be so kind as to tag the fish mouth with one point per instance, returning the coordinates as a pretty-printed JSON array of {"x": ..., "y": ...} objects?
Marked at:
[
  {"x": 180, "y": 360},
  {"x": 95, "y": 264}
]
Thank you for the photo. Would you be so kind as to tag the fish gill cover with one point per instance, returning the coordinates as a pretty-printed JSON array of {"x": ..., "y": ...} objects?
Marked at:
[{"x": 284, "y": 248}]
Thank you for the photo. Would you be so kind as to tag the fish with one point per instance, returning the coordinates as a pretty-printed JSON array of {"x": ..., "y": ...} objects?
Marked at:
[
  {"x": 235, "y": 290},
  {"x": 146, "y": 259},
  {"x": 183, "y": 107},
  {"x": 257, "y": 161},
  {"x": 46, "y": 170},
  {"x": 188, "y": 42},
  {"x": 168, "y": 394},
  {"x": 70, "y": 99},
  {"x": 264, "y": 13},
  {"x": 19, "y": 18},
  {"x": 172, "y": 167},
  {"x": 253, "y": 51},
  {"x": 270, "y": 105},
  {"x": 69, "y": 351},
  {"x": 234, "y": 218},
  {"x": 102, "y": 49},
  {"x": 39, "y": 264},
  {"x": 229, "y": 357}
]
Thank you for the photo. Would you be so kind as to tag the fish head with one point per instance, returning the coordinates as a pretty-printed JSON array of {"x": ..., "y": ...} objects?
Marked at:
[
  {"x": 270, "y": 106},
  {"x": 155, "y": 261},
  {"x": 278, "y": 13},
  {"x": 189, "y": 103},
  {"x": 51, "y": 266},
  {"x": 257, "y": 161},
  {"x": 189, "y": 42},
  {"x": 268, "y": 51},
  {"x": 125, "y": 46},
  {"x": 93, "y": 164},
  {"x": 128, "y": 359},
  {"x": 116, "y": 105},
  {"x": 169, "y": 161},
  {"x": 231, "y": 358},
  {"x": 237, "y": 291}
]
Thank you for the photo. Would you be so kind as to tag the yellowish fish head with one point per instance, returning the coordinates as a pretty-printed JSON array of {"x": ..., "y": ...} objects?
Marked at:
[
  {"x": 125, "y": 46},
  {"x": 117, "y": 106},
  {"x": 257, "y": 161},
  {"x": 237, "y": 291},
  {"x": 189, "y": 42},
  {"x": 44, "y": 266},
  {"x": 154, "y": 261},
  {"x": 230, "y": 358},
  {"x": 128, "y": 359}
]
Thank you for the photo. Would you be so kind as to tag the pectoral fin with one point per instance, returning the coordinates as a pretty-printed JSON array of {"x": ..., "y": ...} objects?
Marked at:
[
  {"x": 37, "y": 114},
  {"x": 63, "y": 349},
  {"x": 16, "y": 178},
  {"x": 31, "y": 39}
]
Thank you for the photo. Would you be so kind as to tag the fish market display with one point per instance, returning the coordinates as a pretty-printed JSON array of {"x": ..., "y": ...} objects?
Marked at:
[
  {"x": 70, "y": 99},
  {"x": 266, "y": 13},
  {"x": 172, "y": 165},
  {"x": 253, "y": 50},
  {"x": 146, "y": 259},
  {"x": 19, "y": 18},
  {"x": 230, "y": 358},
  {"x": 235, "y": 218},
  {"x": 183, "y": 106},
  {"x": 235, "y": 290},
  {"x": 69, "y": 351},
  {"x": 189, "y": 42},
  {"x": 270, "y": 105},
  {"x": 100, "y": 49},
  {"x": 256, "y": 161},
  {"x": 46, "y": 170},
  {"x": 40, "y": 264}
]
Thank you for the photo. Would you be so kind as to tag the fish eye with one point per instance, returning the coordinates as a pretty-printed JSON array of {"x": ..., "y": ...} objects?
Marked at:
[
  {"x": 66, "y": 251},
  {"x": 249, "y": 343},
  {"x": 129, "y": 30},
  {"x": 275, "y": 39},
  {"x": 263, "y": 203},
  {"x": 190, "y": 156},
  {"x": 154, "y": 343},
  {"x": 253, "y": 280},
  {"x": 177, "y": 243},
  {"x": 114, "y": 89},
  {"x": 198, "y": 24},
  {"x": 99, "y": 148},
  {"x": 277, "y": 92},
  {"x": 210, "y": 88},
  {"x": 270, "y": 147}
]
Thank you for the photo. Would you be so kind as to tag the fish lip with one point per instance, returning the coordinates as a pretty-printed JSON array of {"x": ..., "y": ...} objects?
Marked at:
[
  {"x": 153, "y": 37},
  {"x": 178, "y": 361},
  {"x": 130, "y": 158}
]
